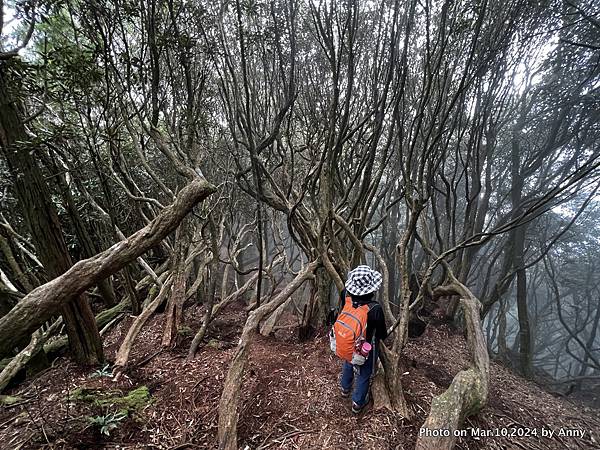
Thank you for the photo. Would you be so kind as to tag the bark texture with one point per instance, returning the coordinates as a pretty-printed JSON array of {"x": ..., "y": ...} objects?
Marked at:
[
  {"x": 387, "y": 387},
  {"x": 174, "y": 310},
  {"x": 228, "y": 405},
  {"x": 125, "y": 349},
  {"x": 27, "y": 354},
  {"x": 41, "y": 217},
  {"x": 468, "y": 391},
  {"x": 45, "y": 301}
]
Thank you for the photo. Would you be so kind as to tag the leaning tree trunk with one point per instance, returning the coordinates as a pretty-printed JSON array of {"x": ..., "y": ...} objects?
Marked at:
[
  {"x": 42, "y": 303},
  {"x": 228, "y": 405},
  {"x": 39, "y": 346},
  {"x": 268, "y": 326},
  {"x": 11, "y": 267},
  {"x": 27, "y": 354},
  {"x": 122, "y": 357},
  {"x": 90, "y": 248},
  {"x": 468, "y": 391}
]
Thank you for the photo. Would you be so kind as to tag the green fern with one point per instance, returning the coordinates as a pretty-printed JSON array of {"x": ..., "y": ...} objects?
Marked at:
[
  {"x": 108, "y": 422},
  {"x": 103, "y": 372}
]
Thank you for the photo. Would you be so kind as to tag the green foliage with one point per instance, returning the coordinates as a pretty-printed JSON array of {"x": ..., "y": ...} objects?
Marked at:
[
  {"x": 64, "y": 61},
  {"x": 107, "y": 422},
  {"x": 103, "y": 372}
]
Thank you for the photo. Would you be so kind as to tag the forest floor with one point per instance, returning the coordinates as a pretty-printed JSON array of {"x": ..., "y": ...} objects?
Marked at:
[{"x": 290, "y": 398}]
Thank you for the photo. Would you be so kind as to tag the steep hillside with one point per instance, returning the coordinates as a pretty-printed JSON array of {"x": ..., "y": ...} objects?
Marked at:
[{"x": 290, "y": 398}]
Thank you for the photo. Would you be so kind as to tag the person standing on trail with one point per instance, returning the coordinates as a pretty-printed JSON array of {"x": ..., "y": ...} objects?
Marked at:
[{"x": 356, "y": 332}]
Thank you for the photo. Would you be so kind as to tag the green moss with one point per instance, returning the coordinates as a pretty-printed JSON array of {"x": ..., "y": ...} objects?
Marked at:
[
  {"x": 7, "y": 400},
  {"x": 185, "y": 331},
  {"x": 83, "y": 395},
  {"x": 133, "y": 402},
  {"x": 213, "y": 343},
  {"x": 109, "y": 314}
]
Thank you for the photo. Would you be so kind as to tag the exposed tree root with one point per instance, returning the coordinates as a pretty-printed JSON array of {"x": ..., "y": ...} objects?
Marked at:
[
  {"x": 381, "y": 398},
  {"x": 468, "y": 391},
  {"x": 228, "y": 405},
  {"x": 389, "y": 382}
]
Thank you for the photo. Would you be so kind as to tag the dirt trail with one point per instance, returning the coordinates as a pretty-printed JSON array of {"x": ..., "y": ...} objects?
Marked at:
[{"x": 290, "y": 398}]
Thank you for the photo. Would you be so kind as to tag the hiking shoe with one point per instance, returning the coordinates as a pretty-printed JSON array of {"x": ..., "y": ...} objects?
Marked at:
[
  {"x": 356, "y": 408},
  {"x": 345, "y": 392}
]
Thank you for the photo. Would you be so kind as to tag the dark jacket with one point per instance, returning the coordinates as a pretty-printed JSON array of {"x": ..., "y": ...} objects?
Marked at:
[{"x": 375, "y": 318}]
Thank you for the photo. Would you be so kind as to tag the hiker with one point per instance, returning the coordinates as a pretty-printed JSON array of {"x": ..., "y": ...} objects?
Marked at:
[{"x": 349, "y": 338}]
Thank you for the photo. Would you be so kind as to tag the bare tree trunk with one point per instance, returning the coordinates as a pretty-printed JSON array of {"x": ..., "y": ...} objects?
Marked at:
[
  {"x": 502, "y": 346},
  {"x": 83, "y": 236},
  {"x": 388, "y": 383},
  {"x": 323, "y": 284},
  {"x": 268, "y": 326},
  {"x": 517, "y": 242},
  {"x": 208, "y": 314},
  {"x": 131, "y": 291},
  {"x": 11, "y": 266},
  {"x": 468, "y": 391},
  {"x": 123, "y": 354},
  {"x": 43, "y": 222},
  {"x": 525, "y": 341},
  {"x": 216, "y": 309},
  {"x": 42, "y": 303},
  {"x": 27, "y": 354},
  {"x": 589, "y": 345},
  {"x": 230, "y": 397},
  {"x": 174, "y": 310}
]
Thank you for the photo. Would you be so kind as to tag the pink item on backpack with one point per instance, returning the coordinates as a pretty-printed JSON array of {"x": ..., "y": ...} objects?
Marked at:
[{"x": 365, "y": 349}]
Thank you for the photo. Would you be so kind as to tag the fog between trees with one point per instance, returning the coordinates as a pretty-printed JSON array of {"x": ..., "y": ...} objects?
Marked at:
[{"x": 452, "y": 145}]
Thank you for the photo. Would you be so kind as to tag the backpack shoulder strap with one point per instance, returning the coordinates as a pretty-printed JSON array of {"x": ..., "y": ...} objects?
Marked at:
[{"x": 370, "y": 305}]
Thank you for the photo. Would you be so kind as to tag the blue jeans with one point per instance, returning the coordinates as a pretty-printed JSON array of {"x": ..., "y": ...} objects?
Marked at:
[{"x": 363, "y": 379}]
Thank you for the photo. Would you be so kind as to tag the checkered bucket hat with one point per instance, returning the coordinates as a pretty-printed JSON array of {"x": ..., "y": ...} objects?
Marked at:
[{"x": 363, "y": 280}]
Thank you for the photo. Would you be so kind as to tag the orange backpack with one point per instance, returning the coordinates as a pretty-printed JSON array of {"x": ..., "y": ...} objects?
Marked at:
[{"x": 350, "y": 325}]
